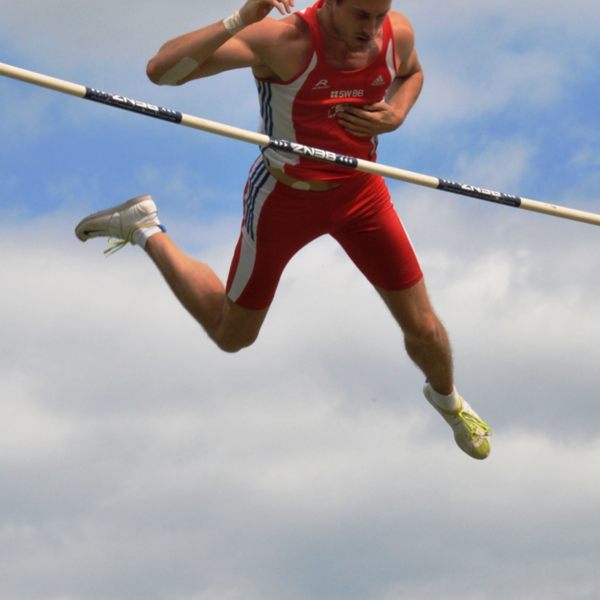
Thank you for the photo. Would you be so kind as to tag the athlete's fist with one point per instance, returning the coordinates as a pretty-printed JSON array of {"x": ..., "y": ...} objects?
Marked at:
[{"x": 256, "y": 10}]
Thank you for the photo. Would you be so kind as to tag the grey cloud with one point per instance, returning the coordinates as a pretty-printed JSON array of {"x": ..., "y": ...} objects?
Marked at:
[
  {"x": 146, "y": 463},
  {"x": 137, "y": 461}
]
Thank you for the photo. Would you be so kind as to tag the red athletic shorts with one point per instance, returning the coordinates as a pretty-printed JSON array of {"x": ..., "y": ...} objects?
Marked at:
[{"x": 280, "y": 220}]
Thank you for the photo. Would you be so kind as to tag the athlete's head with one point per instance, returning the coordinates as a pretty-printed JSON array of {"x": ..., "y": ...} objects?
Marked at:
[{"x": 356, "y": 22}]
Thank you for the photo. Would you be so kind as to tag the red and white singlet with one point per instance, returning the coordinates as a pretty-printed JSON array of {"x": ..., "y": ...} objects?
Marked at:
[{"x": 304, "y": 109}]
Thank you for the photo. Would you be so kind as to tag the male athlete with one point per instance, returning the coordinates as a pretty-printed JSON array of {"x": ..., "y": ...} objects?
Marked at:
[{"x": 334, "y": 76}]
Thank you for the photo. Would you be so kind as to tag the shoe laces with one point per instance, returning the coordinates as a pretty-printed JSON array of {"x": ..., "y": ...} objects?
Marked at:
[
  {"x": 116, "y": 245},
  {"x": 476, "y": 427}
]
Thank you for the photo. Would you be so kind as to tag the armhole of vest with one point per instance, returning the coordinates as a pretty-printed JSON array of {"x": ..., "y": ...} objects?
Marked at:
[
  {"x": 313, "y": 49},
  {"x": 391, "y": 40}
]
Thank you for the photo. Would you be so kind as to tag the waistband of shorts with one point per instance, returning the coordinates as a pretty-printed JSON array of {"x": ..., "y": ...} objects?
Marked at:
[{"x": 303, "y": 186}]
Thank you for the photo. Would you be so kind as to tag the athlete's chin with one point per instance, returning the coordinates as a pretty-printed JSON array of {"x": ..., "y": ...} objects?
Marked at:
[{"x": 362, "y": 44}]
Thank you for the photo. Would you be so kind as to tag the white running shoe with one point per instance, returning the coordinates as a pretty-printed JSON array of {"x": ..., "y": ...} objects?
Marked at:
[
  {"x": 120, "y": 222},
  {"x": 470, "y": 431}
]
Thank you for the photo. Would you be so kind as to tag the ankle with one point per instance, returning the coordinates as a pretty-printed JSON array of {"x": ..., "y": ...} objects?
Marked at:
[
  {"x": 142, "y": 236},
  {"x": 446, "y": 401}
]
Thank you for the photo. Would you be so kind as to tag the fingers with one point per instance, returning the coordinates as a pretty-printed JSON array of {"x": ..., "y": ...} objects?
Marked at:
[
  {"x": 284, "y": 6},
  {"x": 371, "y": 108},
  {"x": 357, "y": 116},
  {"x": 369, "y": 120},
  {"x": 256, "y": 10},
  {"x": 356, "y": 125}
]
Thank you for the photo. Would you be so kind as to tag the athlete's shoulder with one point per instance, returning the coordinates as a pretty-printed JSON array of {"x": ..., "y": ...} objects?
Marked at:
[
  {"x": 283, "y": 45},
  {"x": 403, "y": 31},
  {"x": 291, "y": 29},
  {"x": 404, "y": 39}
]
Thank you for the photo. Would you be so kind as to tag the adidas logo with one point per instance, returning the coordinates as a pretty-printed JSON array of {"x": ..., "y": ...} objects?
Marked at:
[{"x": 379, "y": 81}]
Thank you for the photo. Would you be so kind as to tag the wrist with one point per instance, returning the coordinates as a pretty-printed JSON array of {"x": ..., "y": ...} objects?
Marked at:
[
  {"x": 234, "y": 24},
  {"x": 399, "y": 115}
]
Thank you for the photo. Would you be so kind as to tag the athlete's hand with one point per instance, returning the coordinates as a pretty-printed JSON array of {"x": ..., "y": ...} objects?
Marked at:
[
  {"x": 256, "y": 10},
  {"x": 370, "y": 120}
]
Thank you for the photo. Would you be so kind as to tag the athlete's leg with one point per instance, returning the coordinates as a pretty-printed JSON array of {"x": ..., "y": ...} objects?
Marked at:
[
  {"x": 374, "y": 238},
  {"x": 425, "y": 337},
  {"x": 427, "y": 344},
  {"x": 197, "y": 287},
  {"x": 199, "y": 290},
  {"x": 376, "y": 241}
]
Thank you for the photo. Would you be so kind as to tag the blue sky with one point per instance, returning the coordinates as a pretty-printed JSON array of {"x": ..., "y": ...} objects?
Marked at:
[{"x": 138, "y": 461}]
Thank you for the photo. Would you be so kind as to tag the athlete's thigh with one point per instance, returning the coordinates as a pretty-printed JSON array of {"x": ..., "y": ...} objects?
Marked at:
[
  {"x": 278, "y": 221},
  {"x": 376, "y": 241}
]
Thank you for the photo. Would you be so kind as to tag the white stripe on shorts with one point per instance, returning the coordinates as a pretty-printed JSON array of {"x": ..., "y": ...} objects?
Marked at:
[{"x": 260, "y": 184}]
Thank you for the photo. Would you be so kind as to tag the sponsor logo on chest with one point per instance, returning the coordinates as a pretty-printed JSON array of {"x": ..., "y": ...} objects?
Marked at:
[{"x": 347, "y": 94}]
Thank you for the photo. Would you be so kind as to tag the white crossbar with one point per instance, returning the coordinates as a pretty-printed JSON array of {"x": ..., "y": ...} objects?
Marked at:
[{"x": 258, "y": 139}]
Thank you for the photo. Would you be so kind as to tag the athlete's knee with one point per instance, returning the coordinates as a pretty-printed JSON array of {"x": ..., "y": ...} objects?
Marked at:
[
  {"x": 425, "y": 329},
  {"x": 231, "y": 345},
  {"x": 239, "y": 328}
]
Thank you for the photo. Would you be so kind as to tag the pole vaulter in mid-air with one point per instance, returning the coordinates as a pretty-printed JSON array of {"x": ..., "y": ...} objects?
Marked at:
[
  {"x": 334, "y": 76},
  {"x": 322, "y": 77}
]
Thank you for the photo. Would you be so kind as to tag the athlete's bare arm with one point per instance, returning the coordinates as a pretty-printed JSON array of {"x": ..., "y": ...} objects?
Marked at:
[
  {"x": 384, "y": 117},
  {"x": 274, "y": 49}
]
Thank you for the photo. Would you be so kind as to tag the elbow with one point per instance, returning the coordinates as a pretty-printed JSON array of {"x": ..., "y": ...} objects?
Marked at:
[
  {"x": 176, "y": 75},
  {"x": 152, "y": 71}
]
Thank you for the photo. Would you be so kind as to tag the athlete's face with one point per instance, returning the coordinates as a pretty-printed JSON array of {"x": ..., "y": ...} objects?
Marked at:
[{"x": 357, "y": 22}]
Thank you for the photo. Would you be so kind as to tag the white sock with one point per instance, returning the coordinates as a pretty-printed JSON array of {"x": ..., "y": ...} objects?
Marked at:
[
  {"x": 143, "y": 234},
  {"x": 451, "y": 402}
]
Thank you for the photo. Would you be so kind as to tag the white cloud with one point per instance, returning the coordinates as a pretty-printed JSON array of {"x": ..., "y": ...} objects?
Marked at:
[
  {"x": 483, "y": 58},
  {"x": 510, "y": 18},
  {"x": 29, "y": 432},
  {"x": 138, "y": 460},
  {"x": 464, "y": 90},
  {"x": 479, "y": 57},
  {"x": 499, "y": 164}
]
